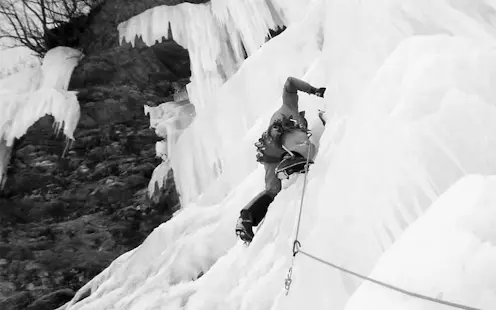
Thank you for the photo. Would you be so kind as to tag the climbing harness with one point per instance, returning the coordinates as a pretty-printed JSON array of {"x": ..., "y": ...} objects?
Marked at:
[{"x": 296, "y": 249}]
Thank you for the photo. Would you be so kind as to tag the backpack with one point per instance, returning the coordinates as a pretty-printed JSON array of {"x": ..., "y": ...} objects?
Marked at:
[{"x": 269, "y": 148}]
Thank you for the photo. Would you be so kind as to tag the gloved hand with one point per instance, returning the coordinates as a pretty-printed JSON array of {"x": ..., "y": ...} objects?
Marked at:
[{"x": 319, "y": 92}]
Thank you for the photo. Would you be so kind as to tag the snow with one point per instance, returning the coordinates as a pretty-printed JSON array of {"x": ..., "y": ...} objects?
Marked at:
[
  {"x": 461, "y": 223},
  {"x": 30, "y": 94},
  {"x": 402, "y": 185}
]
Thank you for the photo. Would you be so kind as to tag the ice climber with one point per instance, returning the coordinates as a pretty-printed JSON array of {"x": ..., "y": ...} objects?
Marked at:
[{"x": 283, "y": 149}]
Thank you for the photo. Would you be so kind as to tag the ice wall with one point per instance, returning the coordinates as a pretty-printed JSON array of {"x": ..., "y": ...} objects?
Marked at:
[
  {"x": 447, "y": 254},
  {"x": 30, "y": 94},
  {"x": 216, "y": 35},
  {"x": 411, "y": 110}
]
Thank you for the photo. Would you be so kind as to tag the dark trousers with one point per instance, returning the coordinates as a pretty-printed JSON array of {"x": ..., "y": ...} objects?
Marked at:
[{"x": 257, "y": 207}]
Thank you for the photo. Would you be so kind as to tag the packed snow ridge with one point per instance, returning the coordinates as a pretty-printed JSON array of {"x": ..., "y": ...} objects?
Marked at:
[{"x": 403, "y": 186}]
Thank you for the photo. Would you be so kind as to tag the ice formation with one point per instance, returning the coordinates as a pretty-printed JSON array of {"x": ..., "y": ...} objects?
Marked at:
[
  {"x": 411, "y": 112},
  {"x": 169, "y": 120},
  {"x": 30, "y": 94},
  {"x": 214, "y": 34}
]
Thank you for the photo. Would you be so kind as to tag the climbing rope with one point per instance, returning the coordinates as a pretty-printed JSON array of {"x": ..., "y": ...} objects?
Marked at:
[
  {"x": 296, "y": 243},
  {"x": 389, "y": 286},
  {"x": 296, "y": 249}
]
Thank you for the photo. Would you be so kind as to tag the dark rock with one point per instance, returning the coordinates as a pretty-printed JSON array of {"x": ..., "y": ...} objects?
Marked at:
[
  {"x": 174, "y": 57},
  {"x": 54, "y": 210},
  {"x": 5, "y": 250},
  {"x": 68, "y": 33},
  {"x": 86, "y": 120},
  {"x": 53, "y": 300},
  {"x": 20, "y": 253},
  {"x": 145, "y": 169},
  {"x": 143, "y": 67},
  {"x": 26, "y": 150},
  {"x": 102, "y": 106},
  {"x": 18, "y": 300},
  {"x": 14, "y": 211},
  {"x": 111, "y": 110},
  {"x": 74, "y": 225}
]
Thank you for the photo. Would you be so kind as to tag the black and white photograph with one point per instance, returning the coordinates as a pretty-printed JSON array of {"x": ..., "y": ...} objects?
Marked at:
[{"x": 247, "y": 154}]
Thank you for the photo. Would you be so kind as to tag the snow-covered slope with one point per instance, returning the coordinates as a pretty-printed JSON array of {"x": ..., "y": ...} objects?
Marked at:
[
  {"x": 411, "y": 110},
  {"x": 449, "y": 253}
]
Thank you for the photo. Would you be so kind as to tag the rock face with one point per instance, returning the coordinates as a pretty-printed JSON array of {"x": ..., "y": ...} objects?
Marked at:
[
  {"x": 64, "y": 219},
  {"x": 67, "y": 211},
  {"x": 148, "y": 68}
]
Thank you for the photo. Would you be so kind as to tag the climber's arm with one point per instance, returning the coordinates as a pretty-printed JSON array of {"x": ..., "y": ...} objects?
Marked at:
[
  {"x": 293, "y": 85},
  {"x": 291, "y": 88}
]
